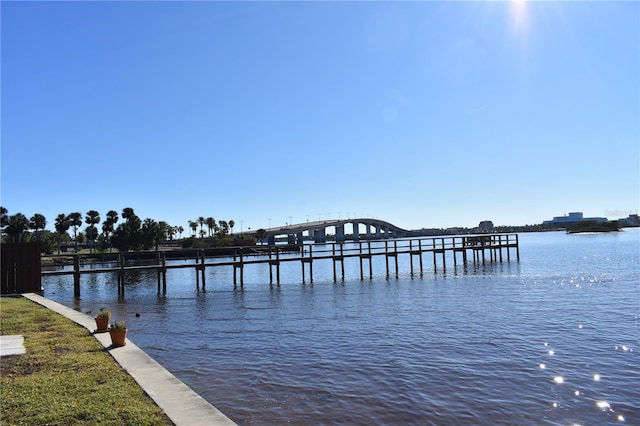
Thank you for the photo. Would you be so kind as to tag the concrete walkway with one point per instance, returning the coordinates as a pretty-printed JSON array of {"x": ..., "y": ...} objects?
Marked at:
[
  {"x": 179, "y": 402},
  {"x": 12, "y": 345}
]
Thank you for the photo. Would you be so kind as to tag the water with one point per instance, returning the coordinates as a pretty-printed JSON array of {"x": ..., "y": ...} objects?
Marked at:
[{"x": 553, "y": 339}]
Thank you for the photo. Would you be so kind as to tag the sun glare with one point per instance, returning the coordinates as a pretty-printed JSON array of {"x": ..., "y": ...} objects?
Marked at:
[{"x": 518, "y": 12}]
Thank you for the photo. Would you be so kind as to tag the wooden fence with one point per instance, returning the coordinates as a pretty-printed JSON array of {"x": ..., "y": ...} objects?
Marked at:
[{"x": 20, "y": 268}]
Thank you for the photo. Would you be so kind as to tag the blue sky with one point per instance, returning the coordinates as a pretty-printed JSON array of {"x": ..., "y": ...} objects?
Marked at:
[{"x": 424, "y": 114}]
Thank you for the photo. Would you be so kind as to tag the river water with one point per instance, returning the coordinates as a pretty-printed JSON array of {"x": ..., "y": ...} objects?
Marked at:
[{"x": 553, "y": 339}]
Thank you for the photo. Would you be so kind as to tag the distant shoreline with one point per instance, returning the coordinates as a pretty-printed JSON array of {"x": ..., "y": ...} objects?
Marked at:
[{"x": 593, "y": 227}]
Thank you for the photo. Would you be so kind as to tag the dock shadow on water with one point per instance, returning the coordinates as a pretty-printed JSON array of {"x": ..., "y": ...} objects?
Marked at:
[{"x": 552, "y": 339}]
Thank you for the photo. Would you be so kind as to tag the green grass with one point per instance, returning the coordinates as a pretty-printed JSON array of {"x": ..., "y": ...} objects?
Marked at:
[{"x": 66, "y": 377}]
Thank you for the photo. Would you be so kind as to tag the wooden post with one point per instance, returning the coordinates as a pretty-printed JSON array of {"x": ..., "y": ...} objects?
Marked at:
[
  {"x": 270, "y": 268},
  {"x": 122, "y": 261},
  {"x": 241, "y": 267},
  {"x": 370, "y": 261},
  {"x": 411, "y": 256},
  {"x": 386, "y": 257},
  {"x": 118, "y": 271},
  {"x": 235, "y": 255},
  {"x": 495, "y": 248},
  {"x": 164, "y": 273},
  {"x": 311, "y": 264},
  {"x": 464, "y": 250},
  {"x": 122, "y": 268},
  {"x": 158, "y": 269},
  {"x": 455, "y": 260},
  {"x": 76, "y": 276},
  {"x": 342, "y": 260},
  {"x": 420, "y": 251},
  {"x": 198, "y": 270},
  {"x": 302, "y": 265},
  {"x": 278, "y": 265},
  {"x": 360, "y": 256},
  {"x": 204, "y": 284},
  {"x": 517, "y": 248},
  {"x": 395, "y": 255},
  {"x": 433, "y": 244},
  {"x": 333, "y": 259}
]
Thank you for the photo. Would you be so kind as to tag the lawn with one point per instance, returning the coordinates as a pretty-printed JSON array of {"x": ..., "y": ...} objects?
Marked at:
[{"x": 66, "y": 376}]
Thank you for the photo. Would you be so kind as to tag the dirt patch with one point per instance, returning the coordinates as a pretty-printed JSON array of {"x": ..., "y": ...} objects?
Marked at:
[
  {"x": 63, "y": 351},
  {"x": 17, "y": 366}
]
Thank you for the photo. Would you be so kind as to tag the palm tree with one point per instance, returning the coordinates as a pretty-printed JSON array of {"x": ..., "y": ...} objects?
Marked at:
[
  {"x": 62, "y": 226},
  {"x": 171, "y": 232},
  {"x": 107, "y": 229},
  {"x": 180, "y": 230},
  {"x": 108, "y": 226},
  {"x": 36, "y": 222},
  {"x": 211, "y": 225},
  {"x": 150, "y": 231},
  {"x": 75, "y": 220},
  {"x": 201, "y": 221},
  {"x": 128, "y": 235},
  {"x": 231, "y": 224},
  {"x": 18, "y": 223},
  {"x": 4, "y": 218},
  {"x": 163, "y": 230},
  {"x": 128, "y": 213},
  {"x": 224, "y": 227},
  {"x": 261, "y": 234},
  {"x": 92, "y": 219},
  {"x": 194, "y": 227},
  {"x": 112, "y": 216},
  {"x": 92, "y": 235}
]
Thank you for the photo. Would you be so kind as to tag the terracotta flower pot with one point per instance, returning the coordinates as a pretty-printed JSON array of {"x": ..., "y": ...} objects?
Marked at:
[
  {"x": 118, "y": 337},
  {"x": 102, "y": 323}
]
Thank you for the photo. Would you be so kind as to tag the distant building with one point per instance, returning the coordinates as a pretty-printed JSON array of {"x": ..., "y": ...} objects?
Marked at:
[
  {"x": 485, "y": 226},
  {"x": 574, "y": 217},
  {"x": 631, "y": 220}
]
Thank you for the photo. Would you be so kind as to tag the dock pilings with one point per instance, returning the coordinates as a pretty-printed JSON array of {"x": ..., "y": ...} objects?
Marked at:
[{"x": 475, "y": 248}]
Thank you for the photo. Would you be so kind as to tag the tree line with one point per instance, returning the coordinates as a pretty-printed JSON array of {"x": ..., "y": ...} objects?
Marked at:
[{"x": 124, "y": 232}]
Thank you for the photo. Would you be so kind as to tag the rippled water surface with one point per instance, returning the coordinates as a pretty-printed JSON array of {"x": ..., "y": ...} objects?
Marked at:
[{"x": 553, "y": 339}]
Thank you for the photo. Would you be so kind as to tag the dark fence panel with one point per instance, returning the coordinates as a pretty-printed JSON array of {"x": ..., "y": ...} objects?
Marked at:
[{"x": 20, "y": 268}]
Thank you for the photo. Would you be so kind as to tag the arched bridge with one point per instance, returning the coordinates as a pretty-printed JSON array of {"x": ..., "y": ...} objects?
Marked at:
[{"x": 343, "y": 230}]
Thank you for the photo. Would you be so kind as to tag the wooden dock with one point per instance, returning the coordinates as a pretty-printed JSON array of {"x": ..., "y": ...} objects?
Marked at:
[{"x": 471, "y": 248}]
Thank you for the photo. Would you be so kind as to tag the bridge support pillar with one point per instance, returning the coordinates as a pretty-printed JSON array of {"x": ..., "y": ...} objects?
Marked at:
[
  {"x": 320, "y": 235},
  {"x": 271, "y": 240},
  {"x": 291, "y": 238},
  {"x": 356, "y": 231},
  {"x": 299, "y": 238},
  {"x": 378, "y": 231},
  {"x": 368, "y": 232},
  {"x": 340, "y": 234}
]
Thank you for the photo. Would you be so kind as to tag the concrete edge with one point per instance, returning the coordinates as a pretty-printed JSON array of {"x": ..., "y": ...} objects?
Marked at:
[{"x": 179, "y": 402}]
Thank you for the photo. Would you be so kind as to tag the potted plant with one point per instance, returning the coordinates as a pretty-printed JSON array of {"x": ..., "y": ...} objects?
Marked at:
[
  {"x": 118, "y": 332},
  {"x": 102, "y": 320}
]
